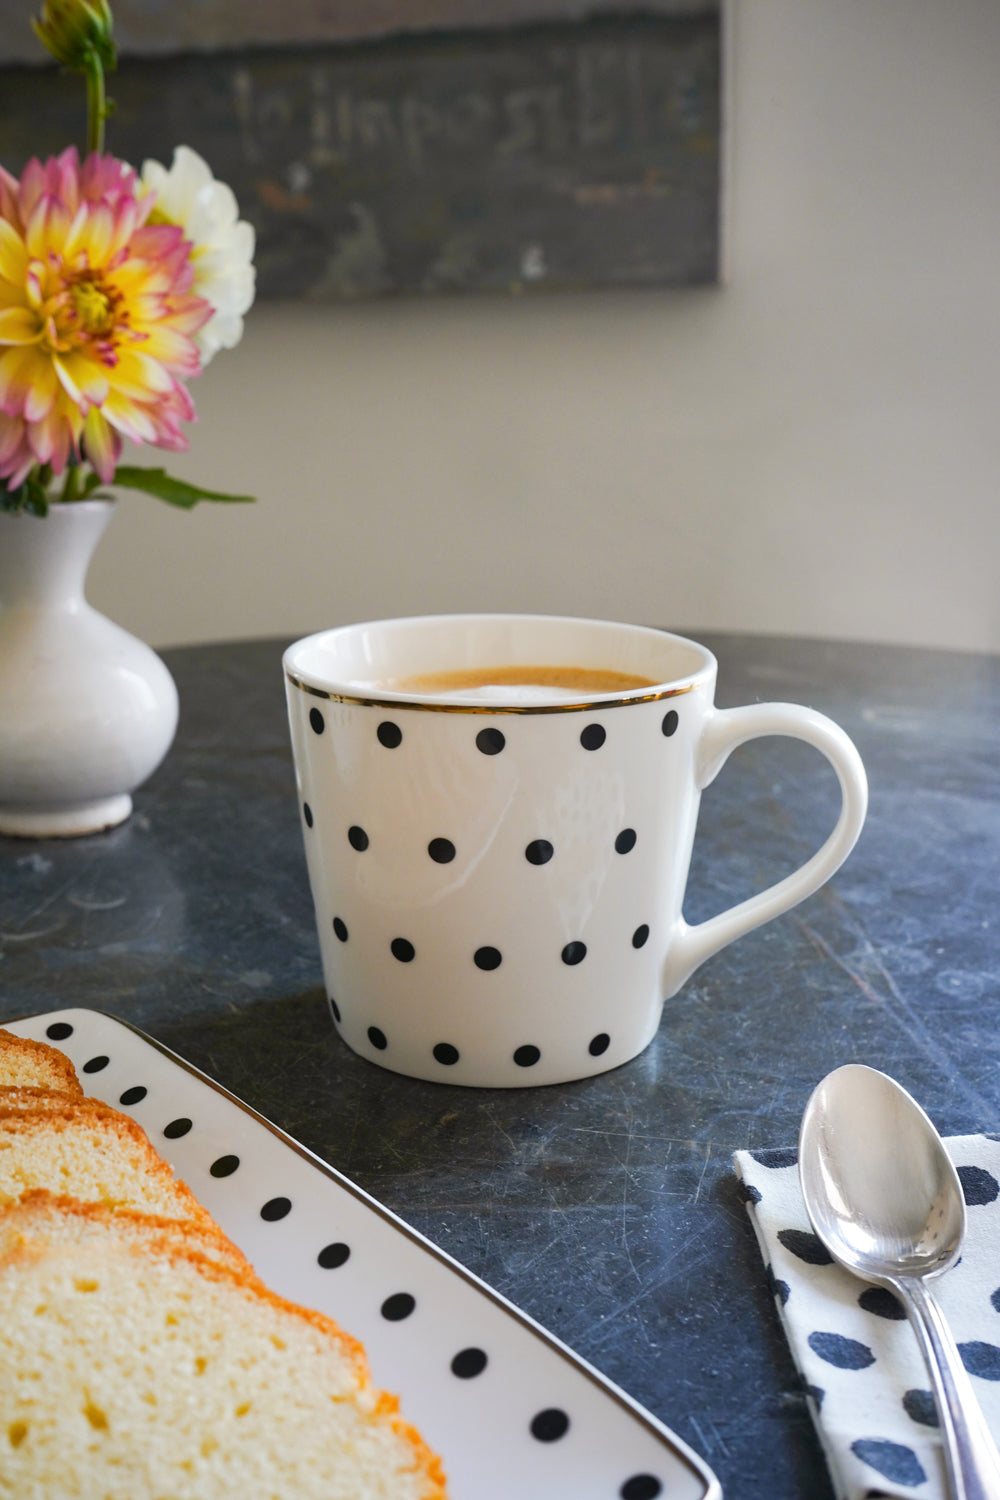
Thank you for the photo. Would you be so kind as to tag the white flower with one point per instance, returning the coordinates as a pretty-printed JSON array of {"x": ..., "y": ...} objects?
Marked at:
[{"x": 206, "y": 210}]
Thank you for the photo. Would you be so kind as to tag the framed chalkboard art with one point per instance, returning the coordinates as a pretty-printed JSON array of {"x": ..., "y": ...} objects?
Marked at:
[{"x": 440, "y": 146}]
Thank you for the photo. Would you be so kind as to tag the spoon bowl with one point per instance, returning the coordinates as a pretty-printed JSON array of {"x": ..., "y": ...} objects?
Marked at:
[
  {"x": 881, "y": 1190},
  {"x": 884, "y": 1197}
]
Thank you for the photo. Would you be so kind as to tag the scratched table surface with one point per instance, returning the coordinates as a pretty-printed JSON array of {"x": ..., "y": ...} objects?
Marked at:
[{"x": 606, "y": 1209}]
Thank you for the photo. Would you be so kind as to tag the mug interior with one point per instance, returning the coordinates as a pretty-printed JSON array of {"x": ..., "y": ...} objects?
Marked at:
[{"x": 366, "y": 659}]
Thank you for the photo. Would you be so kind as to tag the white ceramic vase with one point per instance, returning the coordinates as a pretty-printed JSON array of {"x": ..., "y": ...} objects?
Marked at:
[{"x": 87, "y": 712}]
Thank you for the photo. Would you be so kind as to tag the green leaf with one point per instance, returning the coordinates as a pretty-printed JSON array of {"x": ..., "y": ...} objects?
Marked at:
[
  {"x": 29, "y": 497},
  {"x": 90, "y": 484},
  {"x": 175, "y": 491}
]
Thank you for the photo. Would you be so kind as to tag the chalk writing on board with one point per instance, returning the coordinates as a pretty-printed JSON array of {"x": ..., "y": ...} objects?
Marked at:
[{"x": 603, "y": 102}]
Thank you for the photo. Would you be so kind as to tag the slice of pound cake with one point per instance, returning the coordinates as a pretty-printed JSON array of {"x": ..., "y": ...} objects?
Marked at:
[
  {"x": 139, "y": 1370},
  {"x": 42, "y": 1218},
  {"x": 87, "y": 1150},
  {"x": 36, "y": 1065}
]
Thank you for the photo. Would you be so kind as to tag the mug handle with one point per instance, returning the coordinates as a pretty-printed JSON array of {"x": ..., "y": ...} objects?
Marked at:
[{"x": 724, "y": 729}]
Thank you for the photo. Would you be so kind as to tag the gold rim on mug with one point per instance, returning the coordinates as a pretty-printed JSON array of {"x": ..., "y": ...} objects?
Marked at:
[{"x": 422, "y": 706}]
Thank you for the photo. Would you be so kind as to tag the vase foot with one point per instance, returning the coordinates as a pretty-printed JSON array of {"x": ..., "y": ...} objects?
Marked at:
[{"x": 65, "y": 822}]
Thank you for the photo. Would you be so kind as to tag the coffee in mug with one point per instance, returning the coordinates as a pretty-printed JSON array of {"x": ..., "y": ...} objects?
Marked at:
[
  {"x": 498, "y": 866},
  {"x": 506, "y": 682}
]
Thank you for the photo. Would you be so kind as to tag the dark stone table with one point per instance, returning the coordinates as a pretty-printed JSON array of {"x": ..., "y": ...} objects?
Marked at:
[{"x": 606, "y": 1209}]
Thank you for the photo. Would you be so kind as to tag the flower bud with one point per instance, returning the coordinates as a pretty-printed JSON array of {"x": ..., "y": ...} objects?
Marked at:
[{"x": 77, "y": 31}]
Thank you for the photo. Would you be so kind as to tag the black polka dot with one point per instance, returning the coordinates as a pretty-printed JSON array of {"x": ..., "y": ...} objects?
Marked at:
[
  {"x": 224, "y": 1166},
  {"x": 96, "y": 1064},
  {"x": 317, "y": 720},
  {"x": 599, "y": 1043},
  {"x": 747, "y": 1193},
  {"x": 59, "y": 1031},
  {"x": 669, "y": 722},
  {"x": 357, "y": 838},
  {"x": 340, "y": 928},
  {"x": 377, "y": 1038},
  {"x": 883, "y": 1303},
  {"x": 445, "y": 1053},
  {"x": 641, "y": 1487},
  {"x": 398, "y": 1306},
  {"x": 389, "y": 734},
  {"x": 176, "y": 1129},
  {"x": 780, "y": 1290},
  {"x": 981, "y": 1359},
  {"x": 468, "y": 1363},
  {"x": 487, "y": 958},
  {"x": 845, "y": 1353},
  {"x": 441, "y": 851},
  {"x": 893, "y": 1460},
  {"x": 574, "y": 953},
  {"x": 332, "y": 1256},
  {"x": 539, "y": 852},
  {"x": 549, "y": 1425},
  {"x": 995, "y": 1299},
  {"x": 335, "y": 1008},
  {"x": 593, "y": 736},
  {"x": 816, "y": 1392},
  {"x": 133, "y": 1096},
  {"x": 526, "y": 1057},
  {"x": 808, "y": 1247},
  {"x": 275, "y": 1209},
  {"x": 307, "y": 813},
  {"x": 490, "y": 741},
  {"x": 640, "y": 935},
  {"x": 776, "y": 1156},
  {"x": 978, "y": 1185},
  {"x": 919, "y": 1407},
  {"x": 625, "y": 842},
  {"x": 402, "y": 949}
]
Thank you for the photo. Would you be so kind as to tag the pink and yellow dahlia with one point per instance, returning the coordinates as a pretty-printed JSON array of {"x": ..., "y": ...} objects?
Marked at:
[{"x": 97, "y": 318}]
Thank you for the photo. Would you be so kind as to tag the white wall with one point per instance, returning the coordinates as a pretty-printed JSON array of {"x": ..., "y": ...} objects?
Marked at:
[{"x": 812, "y": 448}]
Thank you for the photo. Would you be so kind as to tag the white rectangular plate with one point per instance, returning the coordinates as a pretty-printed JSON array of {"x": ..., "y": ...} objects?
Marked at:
[{"x": 512, "y": 1411}]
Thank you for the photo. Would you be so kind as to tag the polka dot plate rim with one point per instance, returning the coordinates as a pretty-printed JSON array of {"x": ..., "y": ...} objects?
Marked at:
[{"x": 511, "y": 1409}]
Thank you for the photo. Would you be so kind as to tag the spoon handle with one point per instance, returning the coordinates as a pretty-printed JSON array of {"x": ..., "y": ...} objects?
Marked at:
[{"x": 971, "y": 1454}]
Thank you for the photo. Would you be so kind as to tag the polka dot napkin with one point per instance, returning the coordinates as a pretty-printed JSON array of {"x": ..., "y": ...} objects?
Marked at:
[{"x": 866, "y": 1381}]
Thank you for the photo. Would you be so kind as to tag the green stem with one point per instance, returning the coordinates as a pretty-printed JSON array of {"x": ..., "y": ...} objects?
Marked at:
[
  {"x": 97, "y": 111},
  {"x": 71, "y": 487}
]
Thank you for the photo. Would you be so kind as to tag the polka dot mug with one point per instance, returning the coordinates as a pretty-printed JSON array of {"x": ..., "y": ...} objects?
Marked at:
[{"x": 498, "y": 871}]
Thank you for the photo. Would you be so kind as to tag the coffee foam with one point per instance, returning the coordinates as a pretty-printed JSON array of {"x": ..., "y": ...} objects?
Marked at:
[{"x": 509, "y": 694}]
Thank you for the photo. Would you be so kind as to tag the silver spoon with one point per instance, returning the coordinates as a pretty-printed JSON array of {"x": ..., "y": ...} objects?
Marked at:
[{"x": 884, "y": 1197}]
